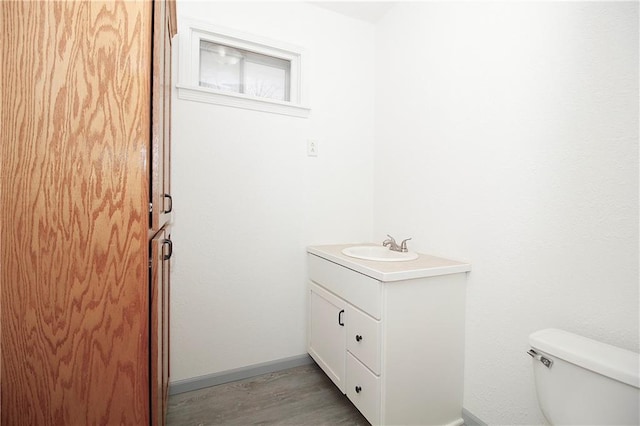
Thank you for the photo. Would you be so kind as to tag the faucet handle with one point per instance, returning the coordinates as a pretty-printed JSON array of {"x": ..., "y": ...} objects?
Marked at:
[
  {"x": 391, "y": 243},
  {"x": 403, "y": 245}
]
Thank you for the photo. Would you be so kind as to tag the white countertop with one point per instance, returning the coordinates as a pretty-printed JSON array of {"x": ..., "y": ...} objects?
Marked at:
[{"x": 422, "y": 267}]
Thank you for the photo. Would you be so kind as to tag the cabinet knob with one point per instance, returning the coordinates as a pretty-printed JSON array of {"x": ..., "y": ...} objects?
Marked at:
[
  {"x": 358, "y": 337},
  {"x": 358, "y": 389}
]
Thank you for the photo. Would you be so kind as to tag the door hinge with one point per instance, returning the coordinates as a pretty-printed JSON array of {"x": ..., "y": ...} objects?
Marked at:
[{"x": 150, "y": 207}]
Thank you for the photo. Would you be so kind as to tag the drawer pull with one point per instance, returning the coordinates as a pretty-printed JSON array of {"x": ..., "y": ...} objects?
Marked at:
[
  {"x": 358, "y": 337},
  {"x": 358, "y": 389},
  {"x": 169, "y": 244},
  {"x": 170, "y": 209},
  {"x": 340, "y": 322}
]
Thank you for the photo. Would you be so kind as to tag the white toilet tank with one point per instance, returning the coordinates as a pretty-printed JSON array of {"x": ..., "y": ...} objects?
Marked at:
[{"x": 580, "y": 381}]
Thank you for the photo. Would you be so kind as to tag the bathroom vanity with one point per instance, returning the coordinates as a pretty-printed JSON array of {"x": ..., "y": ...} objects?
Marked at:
[{"x": 390, "y": 335}]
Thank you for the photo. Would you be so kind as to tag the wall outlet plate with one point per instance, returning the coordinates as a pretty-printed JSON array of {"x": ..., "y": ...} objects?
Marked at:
[{"x": 312, "y": 147}]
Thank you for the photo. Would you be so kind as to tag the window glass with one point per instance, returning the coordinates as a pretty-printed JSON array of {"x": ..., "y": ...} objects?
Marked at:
[
  {"x": 241, "y": 71},
  {"x": 220, "y": 67}
]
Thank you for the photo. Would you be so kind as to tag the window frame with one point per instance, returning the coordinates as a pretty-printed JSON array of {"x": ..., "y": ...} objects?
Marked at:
[{"x": 192, "y": 31}]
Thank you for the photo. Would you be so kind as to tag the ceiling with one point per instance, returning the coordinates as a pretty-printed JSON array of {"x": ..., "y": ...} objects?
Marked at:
[{"x": 370, "y": 11}]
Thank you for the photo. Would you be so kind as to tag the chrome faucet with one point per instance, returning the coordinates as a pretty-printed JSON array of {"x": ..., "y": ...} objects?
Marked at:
[{"x": 391, "y": 243}]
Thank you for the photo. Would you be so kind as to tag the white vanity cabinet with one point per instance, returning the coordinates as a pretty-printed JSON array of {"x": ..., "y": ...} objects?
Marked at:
[
  {"x": 390, "y": 335},
  {"x": 327, "y": 333}
]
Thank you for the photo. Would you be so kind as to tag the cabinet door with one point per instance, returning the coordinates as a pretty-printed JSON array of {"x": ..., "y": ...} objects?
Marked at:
[
  {"x": 161, "y": 251},
  {"x": 163, "y": 30},
  {"x": 326, "y": 337},
  {"x": 167, "y": 252}
]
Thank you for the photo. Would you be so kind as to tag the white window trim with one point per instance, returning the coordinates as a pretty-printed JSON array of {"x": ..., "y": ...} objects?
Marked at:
[{"x": 192, "y": 31}]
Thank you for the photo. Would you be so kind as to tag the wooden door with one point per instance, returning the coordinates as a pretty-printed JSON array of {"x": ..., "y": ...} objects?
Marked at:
[
  {"x": 167, "y": 252},
  {"x": 162, "y": 205},
  {"x": 164, "y": 30},
  {"x": 74, "y": 297},
  {"x": 170, "y": 31},
  {"x": 161, "y": 251}
]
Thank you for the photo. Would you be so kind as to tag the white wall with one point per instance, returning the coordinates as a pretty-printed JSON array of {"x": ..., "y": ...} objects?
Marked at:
[
  {"x": 248, "y": 200},
  {"x": 507, "y": 135}
]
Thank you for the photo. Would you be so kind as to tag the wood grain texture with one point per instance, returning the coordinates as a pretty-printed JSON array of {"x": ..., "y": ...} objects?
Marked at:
[
  {"x": 159, "y": 326},
  {"x": 167, "y": 252},
  {"x": 162, "y": 205},
  {"x": 173, "y": 18},
  {"x": 161, "y": 118},
  {"x": 75, "y": 129},
  {"x": 156, "y": 341}
]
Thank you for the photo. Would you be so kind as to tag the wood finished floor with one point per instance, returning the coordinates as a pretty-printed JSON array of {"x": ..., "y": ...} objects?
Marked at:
[{"x": 298, "y": 396}]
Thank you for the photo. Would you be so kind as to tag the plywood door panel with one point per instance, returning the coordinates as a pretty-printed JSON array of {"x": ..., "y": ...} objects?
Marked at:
[
  {"x": 160, "y": 119},
  {"x": 161, "y": 252},
  {"x": 168, "y": 202},
  {"x": 156, "y": 334},
  {"x": 167, "y": 253},
  {"x": 74, "y": 217}
]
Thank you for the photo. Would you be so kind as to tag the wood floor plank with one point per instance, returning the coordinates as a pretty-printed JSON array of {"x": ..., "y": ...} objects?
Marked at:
[{"x": 297, "y": 396}]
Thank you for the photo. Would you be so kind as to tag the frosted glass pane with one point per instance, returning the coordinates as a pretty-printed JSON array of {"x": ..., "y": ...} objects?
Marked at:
[
  {"x": 220, "y": 67},
  {"x": 235, "y": 70},
  {"x": 266, "y": 81}
]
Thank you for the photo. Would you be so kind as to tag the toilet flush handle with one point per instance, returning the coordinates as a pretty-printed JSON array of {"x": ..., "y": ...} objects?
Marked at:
[{"x": 546, "y": 361}]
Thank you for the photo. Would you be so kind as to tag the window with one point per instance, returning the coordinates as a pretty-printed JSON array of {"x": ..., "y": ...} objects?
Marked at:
[
  {"x": 240, "y": 71},
  {"x": 224, "y": 67}
]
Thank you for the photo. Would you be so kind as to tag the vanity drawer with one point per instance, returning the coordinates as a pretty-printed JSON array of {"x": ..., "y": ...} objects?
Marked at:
[
  {"x": 360, "y": 290},
  {"x": 363, "y": 389},
  {"x": 363, "y": 338}
]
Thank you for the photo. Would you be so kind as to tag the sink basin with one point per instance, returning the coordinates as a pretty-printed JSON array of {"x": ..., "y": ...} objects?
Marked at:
[{"x": 378, "y": 253}]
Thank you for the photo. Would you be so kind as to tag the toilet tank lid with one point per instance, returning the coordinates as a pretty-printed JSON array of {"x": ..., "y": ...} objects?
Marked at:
[{"x": 611, "y": 361}]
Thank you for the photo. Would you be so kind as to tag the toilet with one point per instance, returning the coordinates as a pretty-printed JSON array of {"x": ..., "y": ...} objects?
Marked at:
[{"x": 580, "y": 381}]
